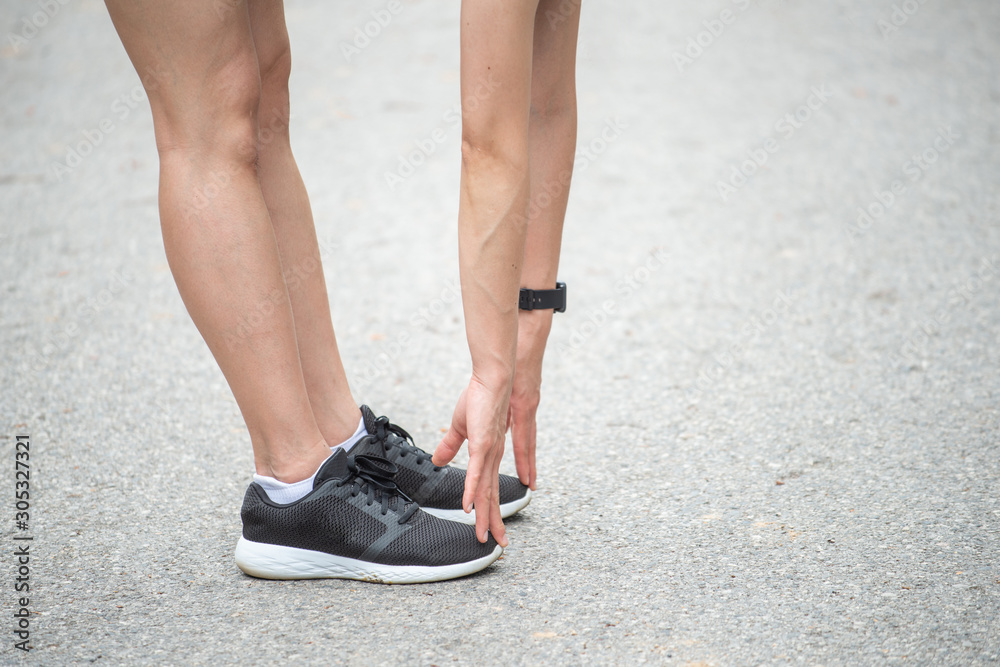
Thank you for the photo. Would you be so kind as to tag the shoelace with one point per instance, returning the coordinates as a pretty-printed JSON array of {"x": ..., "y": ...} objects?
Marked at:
[
  {"x": 396, "y": 436},
  {"x": 373, "y": 477}
]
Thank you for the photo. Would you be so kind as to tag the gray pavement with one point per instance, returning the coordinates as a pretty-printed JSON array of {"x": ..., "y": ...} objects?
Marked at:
[{"x": 769, "y": 431}]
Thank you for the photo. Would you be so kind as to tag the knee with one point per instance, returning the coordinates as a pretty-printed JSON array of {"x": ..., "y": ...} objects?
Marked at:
[{"x": 213, "y": 116}]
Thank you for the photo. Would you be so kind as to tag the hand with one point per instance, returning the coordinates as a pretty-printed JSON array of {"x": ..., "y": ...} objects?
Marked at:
[
  {"x": 481, "y": 418},
  {"x": 532, "y": 334}
]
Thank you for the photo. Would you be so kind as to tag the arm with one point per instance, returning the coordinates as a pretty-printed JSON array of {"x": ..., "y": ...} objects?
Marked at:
[
  {"x": 552, "y": 144},
  {"x": 496, "y": 89}
]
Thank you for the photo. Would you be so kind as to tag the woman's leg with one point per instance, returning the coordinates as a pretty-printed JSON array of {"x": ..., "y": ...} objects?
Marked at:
[
  {"x": 288, "y": 204},
  {"x": 199, "y": 66}
]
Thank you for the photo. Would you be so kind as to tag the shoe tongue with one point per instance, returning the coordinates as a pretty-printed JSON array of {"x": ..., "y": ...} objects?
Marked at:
[
  {"x": 369, "y": 417},
  {"x": 369, "y": 444},
  {"x": 334, "y": 467}
]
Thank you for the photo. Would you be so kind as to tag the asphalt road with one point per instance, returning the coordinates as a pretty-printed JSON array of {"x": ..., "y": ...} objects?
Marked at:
[{"x": 769, "y": 431}]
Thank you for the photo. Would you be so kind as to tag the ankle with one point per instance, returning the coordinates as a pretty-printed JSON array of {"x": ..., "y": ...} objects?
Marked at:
[
  {"x": 294, "y": 466},
  {"x": 339, "y": 426}
]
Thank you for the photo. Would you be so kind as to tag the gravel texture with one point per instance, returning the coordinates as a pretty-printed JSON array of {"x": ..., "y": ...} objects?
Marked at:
[{"x": 769, "y": 433}]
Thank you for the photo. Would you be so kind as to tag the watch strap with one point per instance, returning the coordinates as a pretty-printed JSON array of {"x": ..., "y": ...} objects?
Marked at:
[{"x": 542, "y": 299}]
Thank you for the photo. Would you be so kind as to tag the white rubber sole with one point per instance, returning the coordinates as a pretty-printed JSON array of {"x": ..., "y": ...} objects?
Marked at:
[
  {"x": 506, "y": 510},
  {"x": 271, "y": 561}
]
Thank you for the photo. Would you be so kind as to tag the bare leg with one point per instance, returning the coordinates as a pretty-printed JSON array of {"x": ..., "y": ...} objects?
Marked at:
[
  {"x": 291, "y": 216},
  {"x": 199, "y": 66}
]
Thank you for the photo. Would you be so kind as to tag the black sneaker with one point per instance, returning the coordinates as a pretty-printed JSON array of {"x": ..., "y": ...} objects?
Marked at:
[
  {"x": 438, "y": 489},
  {"x": 355, "y": 524}
]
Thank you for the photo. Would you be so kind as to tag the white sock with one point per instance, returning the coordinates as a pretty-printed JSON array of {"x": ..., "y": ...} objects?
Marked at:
[
  {"x": 284, "y": 493},
  {"x": 353, "y": 440}
]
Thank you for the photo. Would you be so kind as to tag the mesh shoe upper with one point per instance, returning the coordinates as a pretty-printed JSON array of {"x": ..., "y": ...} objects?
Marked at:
[
  {"x": 440, "y": 487},
  {"x": 354, "y": 513}
]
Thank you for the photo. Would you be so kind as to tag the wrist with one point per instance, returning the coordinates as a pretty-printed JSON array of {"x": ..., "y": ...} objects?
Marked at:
[
  {"x": 495, "y": 377},
  {"x": 534, "y": 324}
]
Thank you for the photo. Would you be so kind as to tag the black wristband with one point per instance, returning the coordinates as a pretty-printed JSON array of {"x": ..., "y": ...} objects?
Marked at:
[{"x": 541, "y": 299}]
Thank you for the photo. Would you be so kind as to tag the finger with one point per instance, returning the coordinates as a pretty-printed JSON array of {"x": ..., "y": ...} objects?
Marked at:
[
  {"x": 448, "y": 447},
  {"x": 497, "y": 529},
  {"x": 472, "y": 477},
  {"x": 482, "y": 516},
  {"x": 521, "y": 434},
  {"x": 482, "y": 488},
  {"x": 496, "y": 521},
  {"x": 488, "y": 511},
  {"x": 531, "y": 453},
  {"x": 455, "y": 436}
]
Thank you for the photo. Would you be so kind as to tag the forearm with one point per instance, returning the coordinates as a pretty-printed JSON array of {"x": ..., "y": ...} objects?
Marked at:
[
  {"x": 492, "y": 227},
  {"x": 552, "y": 137},
  {"x": 551, "y": 140},
  {"x": 493, "y": 208}
]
